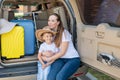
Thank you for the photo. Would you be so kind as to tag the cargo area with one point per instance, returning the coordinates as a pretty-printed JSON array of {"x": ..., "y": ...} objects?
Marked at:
[{"x": 30, "y": 16}]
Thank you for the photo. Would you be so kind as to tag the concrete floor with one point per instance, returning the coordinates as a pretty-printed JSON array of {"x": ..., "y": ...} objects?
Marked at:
[{"x": 33, "y": 77}]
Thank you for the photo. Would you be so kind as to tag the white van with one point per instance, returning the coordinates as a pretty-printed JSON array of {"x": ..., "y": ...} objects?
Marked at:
[{"x": 94, "y": 25}]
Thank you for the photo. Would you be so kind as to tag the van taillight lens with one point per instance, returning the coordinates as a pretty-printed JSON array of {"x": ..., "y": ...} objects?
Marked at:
[{"x": 78, "y": 74}]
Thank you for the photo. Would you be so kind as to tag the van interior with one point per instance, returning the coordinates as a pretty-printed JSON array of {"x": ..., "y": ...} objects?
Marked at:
[{"x": 39, "y": 10}]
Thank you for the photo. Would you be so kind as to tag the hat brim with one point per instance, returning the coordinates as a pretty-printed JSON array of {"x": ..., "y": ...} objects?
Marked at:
[{"x": 40, "y": 32}]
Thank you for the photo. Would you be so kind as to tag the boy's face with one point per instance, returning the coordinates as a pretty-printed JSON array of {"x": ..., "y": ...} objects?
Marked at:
[{"x": 48, "y": 37}]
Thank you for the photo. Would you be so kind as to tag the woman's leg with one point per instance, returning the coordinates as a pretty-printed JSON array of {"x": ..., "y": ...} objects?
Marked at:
[
  {"x": 71, "y": 65},
  {"x": 55, "y": 68}
]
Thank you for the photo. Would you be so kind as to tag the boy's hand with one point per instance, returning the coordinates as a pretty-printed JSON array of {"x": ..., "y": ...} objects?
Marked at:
[{"x": 44, "y": 66}]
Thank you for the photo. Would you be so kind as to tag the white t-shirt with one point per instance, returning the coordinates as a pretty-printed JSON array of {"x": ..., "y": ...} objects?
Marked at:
[
  {"x": 45, "y": 47},
  {"x": 71, "y": 51}
]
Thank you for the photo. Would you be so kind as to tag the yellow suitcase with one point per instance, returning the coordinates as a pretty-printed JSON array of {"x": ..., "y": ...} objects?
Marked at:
[{"x": 12, "y": 43}]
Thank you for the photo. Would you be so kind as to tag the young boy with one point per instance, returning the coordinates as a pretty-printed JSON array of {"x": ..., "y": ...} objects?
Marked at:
[{"x": 46, "y": 36}]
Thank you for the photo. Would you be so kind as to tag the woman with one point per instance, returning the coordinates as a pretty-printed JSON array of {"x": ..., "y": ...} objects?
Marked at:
[{"x": 67, "y": 61}]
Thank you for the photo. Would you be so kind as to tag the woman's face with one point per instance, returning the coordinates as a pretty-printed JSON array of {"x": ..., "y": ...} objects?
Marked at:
[{"x": 52, "y": 22}]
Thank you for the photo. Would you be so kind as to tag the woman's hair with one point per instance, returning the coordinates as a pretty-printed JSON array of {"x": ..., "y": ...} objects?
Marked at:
[{"x": 60, "y": 29}]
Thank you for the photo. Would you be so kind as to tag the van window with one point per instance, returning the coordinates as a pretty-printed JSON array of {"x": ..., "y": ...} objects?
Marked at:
[{"x": 94, "y": 12}]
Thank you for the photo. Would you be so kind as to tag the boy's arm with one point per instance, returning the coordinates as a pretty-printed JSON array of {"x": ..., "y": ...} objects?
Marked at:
[{"x": 40, "y": 58}]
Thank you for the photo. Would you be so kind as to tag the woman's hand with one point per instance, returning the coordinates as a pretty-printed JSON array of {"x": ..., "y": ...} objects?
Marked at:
[
  {"x": 46, "y": 55},
  {"x": 44, "y": 58},
  {"x": 49, "y": 63},
  {"x": 47, "y": 59}
]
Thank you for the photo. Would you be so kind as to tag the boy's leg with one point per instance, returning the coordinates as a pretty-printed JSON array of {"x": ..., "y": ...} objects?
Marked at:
[
  {"x": 46, "y": 71},
  {"x": 40, "y": 72}
]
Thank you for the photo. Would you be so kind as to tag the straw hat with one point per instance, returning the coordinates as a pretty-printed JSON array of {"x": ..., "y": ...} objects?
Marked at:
[
  {"x": 40, "y": 32},
  {"x": 6, "y": 26}
]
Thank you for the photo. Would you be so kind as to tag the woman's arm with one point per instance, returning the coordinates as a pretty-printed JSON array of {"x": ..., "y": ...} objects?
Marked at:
[
  {"x": 48, "y": 53},
  {"x": 63, "y": 49}
]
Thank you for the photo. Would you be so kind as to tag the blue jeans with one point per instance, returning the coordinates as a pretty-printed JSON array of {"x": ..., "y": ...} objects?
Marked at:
[{"x": 63, "y": 68}]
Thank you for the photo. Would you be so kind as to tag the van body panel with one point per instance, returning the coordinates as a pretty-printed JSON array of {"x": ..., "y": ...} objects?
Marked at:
[{"x": 98, "y": 45}]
